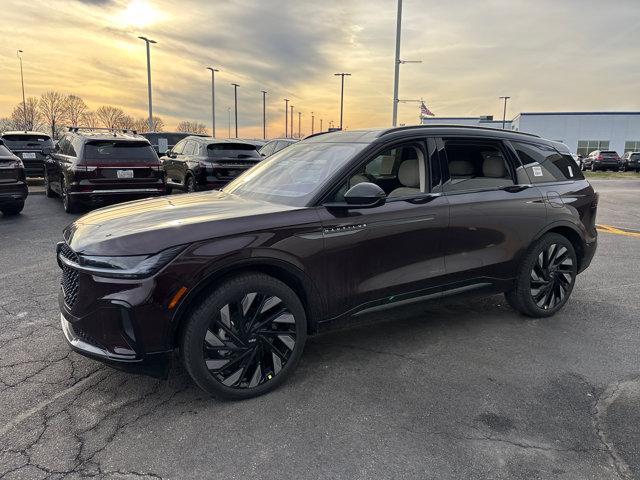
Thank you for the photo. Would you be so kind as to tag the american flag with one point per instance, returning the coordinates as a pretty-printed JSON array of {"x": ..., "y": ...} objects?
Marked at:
[{"x": 425, "y": 111}]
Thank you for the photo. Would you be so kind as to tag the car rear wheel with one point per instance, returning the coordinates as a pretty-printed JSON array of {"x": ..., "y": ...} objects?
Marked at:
[
  {"x": 593, "y": 167},
  {"x": 70, "y": 206},
  {"x": 47, "y": 186},
  {"x": 12, "y": 209},
  {"x": 546, "y": 277},
  {"x": 245, "y": 338}
]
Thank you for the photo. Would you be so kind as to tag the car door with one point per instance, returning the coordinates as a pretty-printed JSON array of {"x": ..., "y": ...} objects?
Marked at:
[
  {"x": 495, "y": 212},
  {"x": 375, "y": 257},
  {"x": 170, "y": 160},
  {"x": 182, "y": 165},
  {"x": 52, "y": 167}
]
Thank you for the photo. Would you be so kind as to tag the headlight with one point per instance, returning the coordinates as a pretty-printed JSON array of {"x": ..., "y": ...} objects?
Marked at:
[{"x": 133, "y": 266}]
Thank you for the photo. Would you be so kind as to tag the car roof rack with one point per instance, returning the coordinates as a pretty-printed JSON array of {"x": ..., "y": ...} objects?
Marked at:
[{"x": 115, "y": 131}]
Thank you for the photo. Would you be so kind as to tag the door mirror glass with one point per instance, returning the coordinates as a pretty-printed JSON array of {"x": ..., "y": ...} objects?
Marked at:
[{"x": 362, "y": 195}]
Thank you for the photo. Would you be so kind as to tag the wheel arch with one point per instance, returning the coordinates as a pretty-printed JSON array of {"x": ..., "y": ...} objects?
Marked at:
[
  {"x": 290, "y": 275},
  {"x": 571, "y": 233}
]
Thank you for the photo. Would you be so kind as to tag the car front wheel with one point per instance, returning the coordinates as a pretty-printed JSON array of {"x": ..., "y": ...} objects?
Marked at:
[
  {"x": 245, "y": 338},
  {"x": 12, "y": 209},
  {"x": 546, "y": 277}
]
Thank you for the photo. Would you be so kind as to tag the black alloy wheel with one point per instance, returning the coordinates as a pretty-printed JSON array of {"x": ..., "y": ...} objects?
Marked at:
[
  {"x": 67, "y": 202},
  {"x": 546, "y": 277},
  {"x": 47, "y": 186},
  {"x": 246, "y": 338}
]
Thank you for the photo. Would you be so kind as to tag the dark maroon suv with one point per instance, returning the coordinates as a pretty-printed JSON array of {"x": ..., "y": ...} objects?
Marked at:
[
  {"x": 96, "y": 167},
  {"x": 328, "y": 230}
]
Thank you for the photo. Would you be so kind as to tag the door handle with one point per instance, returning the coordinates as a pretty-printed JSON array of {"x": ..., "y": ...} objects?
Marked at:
[{"x": 516, "y": 188}]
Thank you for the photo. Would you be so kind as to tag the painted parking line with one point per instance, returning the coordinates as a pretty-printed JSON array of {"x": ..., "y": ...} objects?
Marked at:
[{"x": 617, "y": 231}]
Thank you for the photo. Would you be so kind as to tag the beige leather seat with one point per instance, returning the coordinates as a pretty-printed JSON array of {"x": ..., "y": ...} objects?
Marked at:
[{"x": 409, "y": 178}]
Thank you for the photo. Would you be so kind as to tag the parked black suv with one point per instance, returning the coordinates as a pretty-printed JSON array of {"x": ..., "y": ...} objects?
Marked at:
[
  {"x": 205, "y": 163},
  {"x": 275, "y": 145},
  {"x": 630, "y": 161},
  {"x": 165, "y": 141},
  {"x": 91, "y": 167},
  {"x": 333, "y": 228},
  {"x": 13, "y": 183},
  {"x": 601, "y": 160},
  {"x": 28, "y": 146}
]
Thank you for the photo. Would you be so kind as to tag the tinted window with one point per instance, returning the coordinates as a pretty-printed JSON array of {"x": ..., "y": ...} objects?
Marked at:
[
  {"x": 63, "y": 146},
  {"x": 28, "y": 141},
  {"x": 232, "y": 150},
  {"x": 105, "y": 151},
  {"x": 4, "y": 152},
  {"x": 178, "y": 147},
  {"x": 476, "y": 165},
  {"x": 282, "y": 144},
  {"x": 188, "y": 148},
  {"x": 544, "y": 164}
]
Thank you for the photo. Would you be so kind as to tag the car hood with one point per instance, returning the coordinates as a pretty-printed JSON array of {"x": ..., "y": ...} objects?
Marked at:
[{"x": 149, "y": 226}]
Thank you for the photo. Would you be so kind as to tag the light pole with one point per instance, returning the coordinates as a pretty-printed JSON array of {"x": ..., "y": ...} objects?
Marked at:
[
  {"x": 149, "y": 41},
  {"x": 312, "y": 121},
  {"x": 264, "y": 114},
  {"x": 504, "y": 111},
  {"x": 213, "y": 100},
  {"x": 342, "y": 75},
  {"x": 291, "y": 121},
  {"x": 286, "y": 117},
  {"x": 398, "y": 62},
  {"x": 235, "y": 103},
  {"x": 229, "y": 121},
  {"x": 24, "y": 101},
  {"x": 299, "y": 122},
  {"x": 321, "y": 125}
]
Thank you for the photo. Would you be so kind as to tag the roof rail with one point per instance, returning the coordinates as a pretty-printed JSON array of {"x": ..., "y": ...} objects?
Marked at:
[
  {"x": 313, "y": 135},
  {"x": 76, "y": 129},
  {"x": 444, "y": 125}
]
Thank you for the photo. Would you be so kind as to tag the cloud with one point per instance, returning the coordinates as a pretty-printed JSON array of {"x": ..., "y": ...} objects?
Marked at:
[{"x": 547, "y": 55}]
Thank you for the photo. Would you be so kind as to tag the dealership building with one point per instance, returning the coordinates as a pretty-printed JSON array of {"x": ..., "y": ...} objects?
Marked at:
[{"x": 582, "y": 132}]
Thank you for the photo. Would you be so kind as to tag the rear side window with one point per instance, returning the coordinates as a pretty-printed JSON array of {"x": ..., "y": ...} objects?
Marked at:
[
  {"x": 267, "y": 149},
  {"x": 476, "y": 165},
  {"x": 105, "y": 151},
  {"x": 4, "y": 152},
  {"x": 544, "y": 164},
  {"x": 232, "y": 150}
]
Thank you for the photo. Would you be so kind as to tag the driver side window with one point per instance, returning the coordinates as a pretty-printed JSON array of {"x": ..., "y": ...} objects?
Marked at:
[{"x": 400, "y": 171}]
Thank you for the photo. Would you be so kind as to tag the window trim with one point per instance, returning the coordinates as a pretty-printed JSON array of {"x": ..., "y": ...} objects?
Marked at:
[
  {"x": 510, "y": 158},
  {"x": 566, "y": 181}
]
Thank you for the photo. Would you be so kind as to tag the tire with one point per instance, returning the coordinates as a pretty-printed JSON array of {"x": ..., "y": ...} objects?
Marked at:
[
  {"x": 70, "y": 206},
  {"x": 593, "y": 167},
  {"x": 47, "y": 186},
  {"x": 190, "y": 184},
  {"x": 545, "y": 278},
  {"x": 12, "y": 209},
  {"x": 168, "y": 190},
  {"x": 263, "y": 359}
]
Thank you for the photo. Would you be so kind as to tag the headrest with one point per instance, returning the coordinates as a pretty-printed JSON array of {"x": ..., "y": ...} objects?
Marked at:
[
  {"x": 409, "y": 173},
  {"x": 460, "y": 168},
  {"x": 493, "y": 165}
]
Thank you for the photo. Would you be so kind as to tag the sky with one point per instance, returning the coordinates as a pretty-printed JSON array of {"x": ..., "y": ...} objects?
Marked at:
[{"x": 547, "y": 55}]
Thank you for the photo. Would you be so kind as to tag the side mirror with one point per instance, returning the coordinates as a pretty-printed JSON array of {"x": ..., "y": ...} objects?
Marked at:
[
  {"x": 170, "y": 154},
  {"x": 46, "y": 151},
  {"x": 362, "y": 195}
]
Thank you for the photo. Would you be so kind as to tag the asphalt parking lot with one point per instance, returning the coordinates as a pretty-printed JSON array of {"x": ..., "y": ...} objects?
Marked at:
[{"x": 458, "y": 390}]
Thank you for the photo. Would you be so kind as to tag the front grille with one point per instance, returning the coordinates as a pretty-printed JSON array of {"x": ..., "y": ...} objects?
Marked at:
[
  {"x": 69, "y": 280},
  {"x": 83, "y": 335}
]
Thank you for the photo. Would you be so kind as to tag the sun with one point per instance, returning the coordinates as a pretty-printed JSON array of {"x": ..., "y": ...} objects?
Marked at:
[{"x": 139, "y": 13}]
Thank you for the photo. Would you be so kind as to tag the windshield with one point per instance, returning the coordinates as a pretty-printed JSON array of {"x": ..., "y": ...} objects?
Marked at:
[
  {"x": 294, "y": 175},
  {"x": 119, "y": 152},
  {"x": 27, "y": 140}
]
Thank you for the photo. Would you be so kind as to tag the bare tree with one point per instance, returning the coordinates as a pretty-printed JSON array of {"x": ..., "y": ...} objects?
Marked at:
[
  {"x": 53, "y": 107},
  {"x": 31, "y": 119},
  {"x": 192, "y": 127},
  {"x": 90, "y": 119},
  {"x": 76, "y": 108},
  {"x": 142, "y": 124},
  {"x": 6, "y": 124},
  {"x": 110, "y": 116}
]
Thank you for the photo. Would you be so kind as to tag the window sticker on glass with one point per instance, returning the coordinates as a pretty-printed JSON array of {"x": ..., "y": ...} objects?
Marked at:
[{"x": 537, "y": 171}]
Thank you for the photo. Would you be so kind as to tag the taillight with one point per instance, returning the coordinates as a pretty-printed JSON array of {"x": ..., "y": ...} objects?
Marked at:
[
  {"x": 83, "y": 168},
  {"x": 600, "y": 157}
]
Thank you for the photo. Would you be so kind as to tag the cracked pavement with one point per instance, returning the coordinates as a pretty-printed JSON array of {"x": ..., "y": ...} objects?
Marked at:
[{"x": 463, "y": 389}]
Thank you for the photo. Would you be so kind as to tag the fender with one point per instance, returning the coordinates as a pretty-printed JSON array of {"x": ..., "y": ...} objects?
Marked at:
[
  {"x": 561, "y": 223},
  {"x": 242, "y": 261}
]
